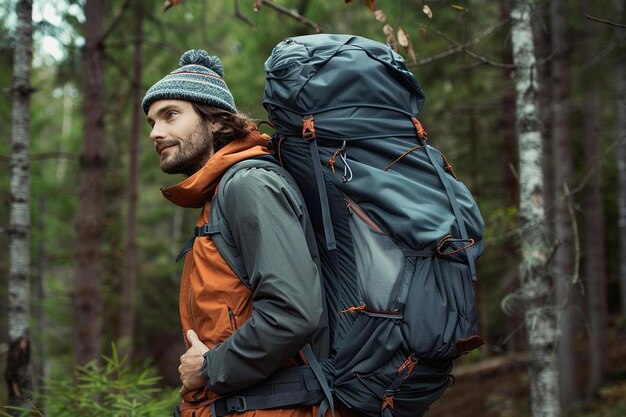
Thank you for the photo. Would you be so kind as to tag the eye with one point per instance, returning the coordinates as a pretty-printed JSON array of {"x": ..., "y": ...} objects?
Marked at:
[{"x": 170, "y": 114}]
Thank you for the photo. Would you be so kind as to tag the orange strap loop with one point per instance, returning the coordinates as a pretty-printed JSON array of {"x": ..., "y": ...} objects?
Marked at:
[
  {"x": 448, "y": 238},
  {"x": 409, "y": 363},
  {"x": 421, "y": 132},
  {"x": 354, "y": 309},
  {"x": 387, "y": 402},
  {"x": 308, "y": 128}
]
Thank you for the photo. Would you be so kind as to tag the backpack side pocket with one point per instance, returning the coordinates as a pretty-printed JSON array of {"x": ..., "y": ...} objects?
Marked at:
[
  {"x": 440, "y": 310},
  {"x": 374, "y": 372}
]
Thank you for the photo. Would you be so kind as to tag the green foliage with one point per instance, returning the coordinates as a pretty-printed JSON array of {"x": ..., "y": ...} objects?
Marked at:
[
  {"x": 500, "y": 222},
  {"x": 109, "y": 390},
  {"x": 472, "y": 357},
  {"x": 611, "y": 402}
]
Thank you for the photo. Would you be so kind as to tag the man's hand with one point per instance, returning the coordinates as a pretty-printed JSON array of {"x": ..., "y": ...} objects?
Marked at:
[{"x": 191, "y": 363}]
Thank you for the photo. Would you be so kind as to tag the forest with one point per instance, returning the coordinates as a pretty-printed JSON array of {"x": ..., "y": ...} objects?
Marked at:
[{"x": 526, "y": 99}]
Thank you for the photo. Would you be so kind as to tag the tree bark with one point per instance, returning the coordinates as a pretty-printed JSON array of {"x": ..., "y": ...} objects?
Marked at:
[
  {"x": 127, "y": 319},
  {"x": 595, "y": 255},
  {"x": 87, "y": 297},
  {"x": 541, "y": 34},
  {"x": 564, "y": 258},
  {"x": 18, "y": 373},
  {"x": 509, "y": 176},
  {"x": 620, "y": 105},
  {"x": 39, "y": 362},
  {"x": 540, "y": 317}
]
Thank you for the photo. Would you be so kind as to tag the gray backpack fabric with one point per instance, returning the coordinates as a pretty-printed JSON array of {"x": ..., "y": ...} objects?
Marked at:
[{"x": 397, "y": 234}]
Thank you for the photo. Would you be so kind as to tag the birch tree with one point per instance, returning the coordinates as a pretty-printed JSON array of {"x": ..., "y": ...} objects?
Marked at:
[
  {"x": 18, "y": 374},
  {"x": 540, "y": 316}
]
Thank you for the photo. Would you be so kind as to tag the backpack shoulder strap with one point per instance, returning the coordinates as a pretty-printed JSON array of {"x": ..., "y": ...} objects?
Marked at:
[
  {"x": 218, "y": 227},
  {"x": 312, "y": 386}
]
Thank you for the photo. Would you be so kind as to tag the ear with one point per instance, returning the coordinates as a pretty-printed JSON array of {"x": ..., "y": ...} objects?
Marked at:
[{"x": 215, "y": 126}]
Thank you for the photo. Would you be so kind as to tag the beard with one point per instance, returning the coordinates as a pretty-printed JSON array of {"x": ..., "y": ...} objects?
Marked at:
[{"x": 191, "y": 153}]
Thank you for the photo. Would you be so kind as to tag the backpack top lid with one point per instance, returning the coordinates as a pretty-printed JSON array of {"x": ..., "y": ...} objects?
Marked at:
[{"x": 340, "y": 80}]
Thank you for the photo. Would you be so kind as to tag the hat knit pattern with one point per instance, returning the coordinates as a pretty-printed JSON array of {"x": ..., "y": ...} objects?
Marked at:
[{"x": 200, "y": 79}]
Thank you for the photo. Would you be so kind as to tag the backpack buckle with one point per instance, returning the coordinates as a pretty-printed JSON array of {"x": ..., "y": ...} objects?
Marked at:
[
  {"x": 387, "y": 401},
  {"x": 236, "y": 404},
  {"x": 203, "y": 230},
  {"x": 308, "y": 128}
]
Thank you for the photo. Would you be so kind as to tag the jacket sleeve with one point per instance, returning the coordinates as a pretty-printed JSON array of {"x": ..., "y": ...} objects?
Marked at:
[{"x": 265, "y": 217}]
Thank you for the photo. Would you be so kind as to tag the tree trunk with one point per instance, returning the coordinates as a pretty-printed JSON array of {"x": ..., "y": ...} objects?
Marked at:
[
  {"x": 39, "y": 363},
  {"x": 564, "y": 258},
  {"x": 509, "y": 176},
  {"x": 90, "y": 222},
  {"x": 595, "y": 251},
  {"x": 540, "y": 318},
  {"x": 541, "y": 34},
  {"x": 18, "y": 373},
  {"x": 620, "y": 104},
  {"x": 127, "y": 319}
]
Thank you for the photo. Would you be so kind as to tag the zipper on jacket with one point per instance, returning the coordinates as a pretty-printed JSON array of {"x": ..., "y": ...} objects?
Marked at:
[
  {"x": 233, "y": 318},
  {"x": 191, "y": 312},
  {"x": 354, "y": 208}
]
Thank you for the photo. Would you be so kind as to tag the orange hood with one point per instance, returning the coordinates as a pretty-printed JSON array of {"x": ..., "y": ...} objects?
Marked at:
[{"x": 196, "y": 190}]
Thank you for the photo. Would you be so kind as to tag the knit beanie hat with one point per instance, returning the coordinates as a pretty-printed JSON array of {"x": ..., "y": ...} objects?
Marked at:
[{"x": 199, "y": 79}]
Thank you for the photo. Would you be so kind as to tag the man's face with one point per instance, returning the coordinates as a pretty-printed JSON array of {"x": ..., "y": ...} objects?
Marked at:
[{"x": 182, "y": 139}]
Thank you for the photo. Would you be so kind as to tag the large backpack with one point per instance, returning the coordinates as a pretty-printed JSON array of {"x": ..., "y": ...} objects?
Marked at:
[{"x": 397, "y": 233}]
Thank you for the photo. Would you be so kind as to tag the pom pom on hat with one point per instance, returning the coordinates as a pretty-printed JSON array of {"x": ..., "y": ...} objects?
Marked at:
[
  {"x": 199, "y": 79},
  {"x": 201, "y": 57}
]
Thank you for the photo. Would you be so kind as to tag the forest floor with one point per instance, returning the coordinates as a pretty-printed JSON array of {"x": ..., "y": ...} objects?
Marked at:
[{"x": 499, "y": 387}]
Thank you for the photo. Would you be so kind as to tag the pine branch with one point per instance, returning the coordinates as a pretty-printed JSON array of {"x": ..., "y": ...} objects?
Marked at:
[
  {"x": 116, "y": 20},
  {"x": 464, "y": 47},
  {"x": 607, "y": 22},
  {"x": 241, "y": 16},
  {"x": 609, "y": 153},
  {"x": 289, "y": 13}
]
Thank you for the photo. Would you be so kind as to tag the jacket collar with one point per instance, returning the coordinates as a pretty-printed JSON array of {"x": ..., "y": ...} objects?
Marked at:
[{"x": 196, "y": 190}]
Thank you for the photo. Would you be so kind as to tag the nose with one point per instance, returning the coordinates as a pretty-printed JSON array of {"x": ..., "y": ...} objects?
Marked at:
[{"x": 157, "y": 132}]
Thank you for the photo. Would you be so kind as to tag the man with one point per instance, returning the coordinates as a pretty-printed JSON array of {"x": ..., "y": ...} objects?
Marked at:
[{"x": 236, "y": 336}]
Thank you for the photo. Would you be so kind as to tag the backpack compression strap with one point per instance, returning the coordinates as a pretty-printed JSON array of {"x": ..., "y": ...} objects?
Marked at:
[
  {"x": 316, "y": 367},
  {"x": 445, "y": 181},
  {"x": 309, "y": 135}
]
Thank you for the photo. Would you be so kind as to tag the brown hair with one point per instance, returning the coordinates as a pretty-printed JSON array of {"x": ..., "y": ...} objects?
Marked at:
[{"x": 234, "y": 125}]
